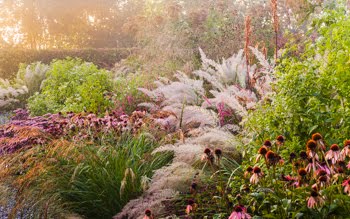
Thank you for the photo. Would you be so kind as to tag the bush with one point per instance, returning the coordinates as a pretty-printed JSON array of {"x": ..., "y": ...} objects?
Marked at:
[
  {"x": 72, "y": 85},
  {"x": 311, "y": 88}
]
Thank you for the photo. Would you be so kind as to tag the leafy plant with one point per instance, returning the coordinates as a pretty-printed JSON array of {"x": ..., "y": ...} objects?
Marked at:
[
  {"x": 72, "y": 85},
  {"x": 310, "y": 91},
  {"x": 274, "y": 181}
]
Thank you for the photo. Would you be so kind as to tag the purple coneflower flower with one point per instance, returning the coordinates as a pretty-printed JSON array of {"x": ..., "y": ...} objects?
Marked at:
[
  {"x": 239, "y": 212},
  {"x": 315, "y": 200}
]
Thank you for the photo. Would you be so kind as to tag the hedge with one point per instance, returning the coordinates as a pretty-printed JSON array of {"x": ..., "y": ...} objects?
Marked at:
[{"x": 103, "y": 58}]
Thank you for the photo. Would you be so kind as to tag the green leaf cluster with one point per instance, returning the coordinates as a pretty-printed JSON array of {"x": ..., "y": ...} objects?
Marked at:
[
  {"x": 311, "y": 91},
  {"x": 72, "y": 85}
]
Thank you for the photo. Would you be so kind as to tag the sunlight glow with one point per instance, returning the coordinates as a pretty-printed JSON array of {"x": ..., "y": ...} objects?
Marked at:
[{"x": 91, "y": 18}]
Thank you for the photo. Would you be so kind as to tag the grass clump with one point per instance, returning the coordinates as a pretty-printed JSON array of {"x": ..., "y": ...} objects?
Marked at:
[
  {"x": 93, "y": 181},
  {"x": 72, "y": 85}
]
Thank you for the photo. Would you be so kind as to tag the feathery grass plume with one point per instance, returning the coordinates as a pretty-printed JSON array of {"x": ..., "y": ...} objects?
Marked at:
[
  {"x": 173, "y": 94},
  {"x": 9, "y": 95},
  {"x": 28, "y": 81},
  {"x": 238, "y": 99},
  {"x": 227, "y": 83},
  {"x": 136, "y": 207},
  {"x": 216, "y": 138},
  {"x": 230, "y": 71},
  {"x": 166, "y": 183},
  {"x": 192, "y": 116},
  {"x": 175, "y": 176},
  {"x": 188, "y": 153}
]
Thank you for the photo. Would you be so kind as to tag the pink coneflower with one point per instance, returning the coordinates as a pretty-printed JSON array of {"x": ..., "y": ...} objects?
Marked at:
[
  {"x": 346, "y": 184},
  {"x": 208, "y": 156},
  {"x": 292, "y": 156},
  {"x": 333, "y": 154},
  {"x": 303, "y": 155},
  {"x": 267, "y": 143},
  {"x": 248, "y": 172},
  {"x": 315, "y": 200},
  {"x": 271, "y": 158},
  {"x": 311, "y": 147},
  {"x": 280, "y": 141},
  {"x": 312, "y": 166},
  {"x": 218, "y": 153},
  {"x": 261, "y": 153},
  {"x": 319, "y": 140},
  {"x": 324, "y": 166},
  {"x": 148, "y": 214},
  {"x": 346, "y": 150},
  {"x": 257, "y": 174},
  {"x": 289, "y": 179},
  {"x": 190, "y": 206},
  {"x": 301, "y": 179},
  {"x": 323, "y": 180},
  {"x": 239, "y": 212},
  {"x": 193, "y": 187},
  {"x": 302, "y": 172}
]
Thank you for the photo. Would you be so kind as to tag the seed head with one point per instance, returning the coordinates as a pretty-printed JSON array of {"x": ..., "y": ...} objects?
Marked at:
[
  {"x": 302, "y": 172},
  {"x": 263, "y": 150},
  {"x": 311, "y": 145},
  {"x": 249, "y": 169},
  {"x": 303, "y": 155},
  {"x": 280, "y": 139},
  {"x": 322, "y": 173},
  {"x": 270, "y": 155},
  {"x": 218, "y": 152},
  {"x": 257, "y": 170},
  {"x": 207, "y": 151},
  {"x": 267, "y": 143},
  {"x": 314, "y": 193},
  {"x": 292, "y": 156},
  {"x": 335, "y": 147},
  {"x": 346, "y": 143},
  {"x": 316, "y": 136},
  {"x": 148, "y": 212}
]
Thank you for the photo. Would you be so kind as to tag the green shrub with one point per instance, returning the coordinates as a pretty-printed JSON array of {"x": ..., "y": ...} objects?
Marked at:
[
  {"x": 72, "y": 85},
  {"x": 311, "y": 87}
]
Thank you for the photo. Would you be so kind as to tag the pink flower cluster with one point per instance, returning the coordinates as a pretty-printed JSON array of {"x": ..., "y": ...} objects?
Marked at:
[
  {"x": 316, "y": 167},
  {"x": 25, "y": 131}
]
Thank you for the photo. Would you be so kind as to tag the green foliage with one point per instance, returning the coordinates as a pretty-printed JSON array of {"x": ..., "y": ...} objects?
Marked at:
[
  {"x": 311, "y": 88},
  {"x": 72, "y": 85},
  {"x": 110, "y": 176}
]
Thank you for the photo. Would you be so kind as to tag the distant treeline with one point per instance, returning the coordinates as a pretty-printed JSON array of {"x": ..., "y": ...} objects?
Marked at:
[{"x": 10, "y": 59}]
